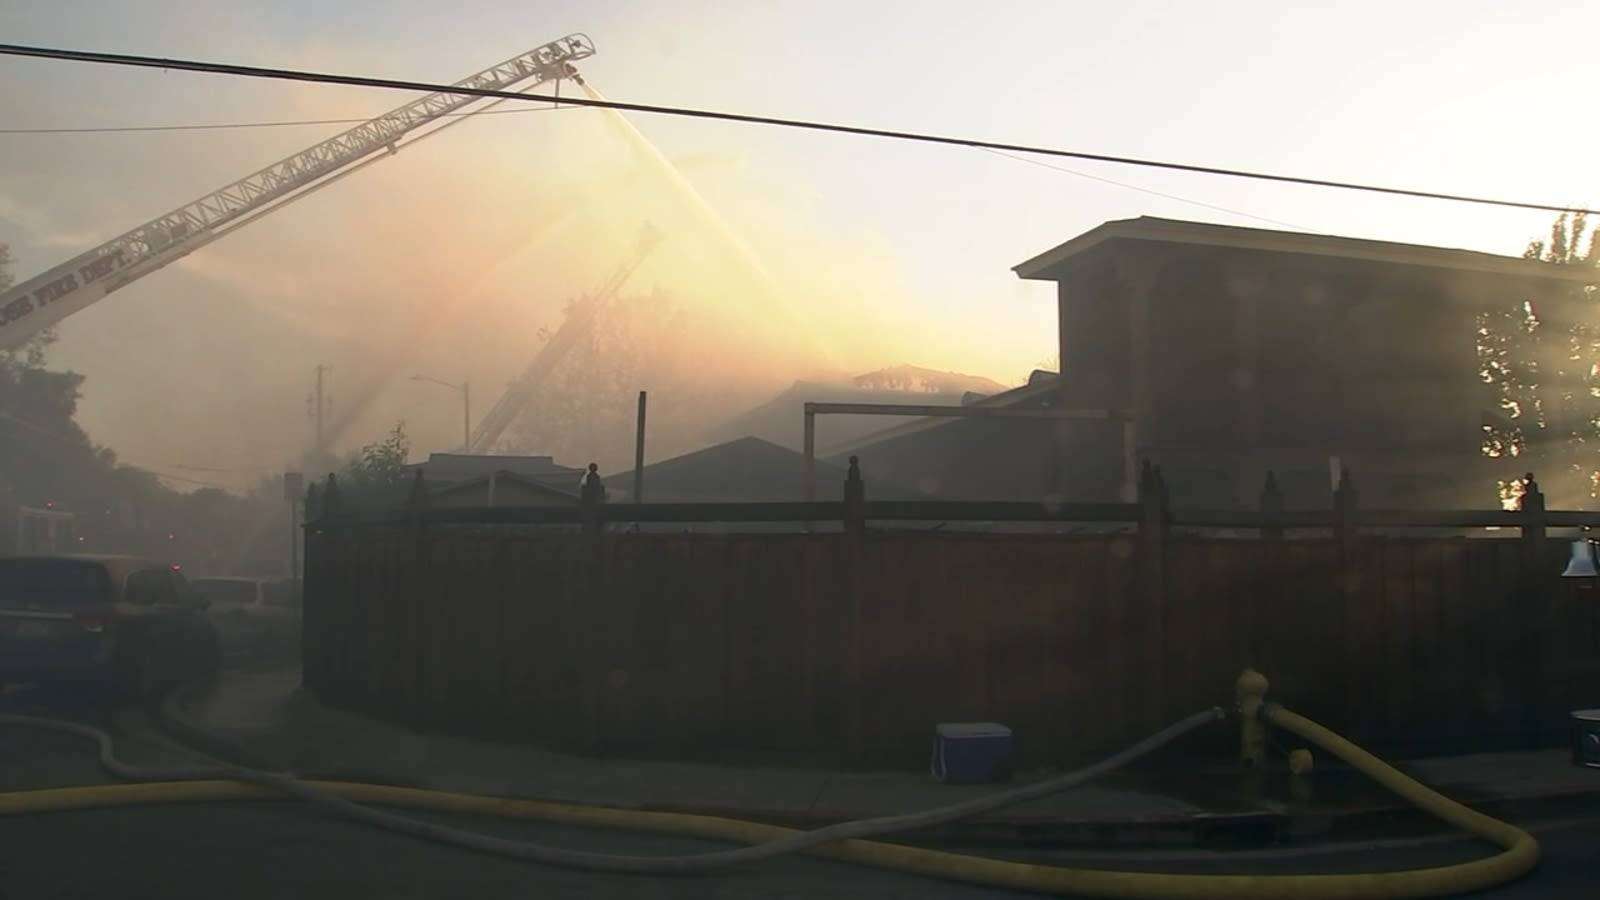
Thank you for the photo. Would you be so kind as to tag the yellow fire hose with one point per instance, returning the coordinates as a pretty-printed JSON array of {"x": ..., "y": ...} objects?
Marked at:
[{"x": 1520, "y": 854}]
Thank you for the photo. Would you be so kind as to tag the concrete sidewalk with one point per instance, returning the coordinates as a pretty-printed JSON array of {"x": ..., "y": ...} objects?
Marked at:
[{"x": 265, "y": 712}]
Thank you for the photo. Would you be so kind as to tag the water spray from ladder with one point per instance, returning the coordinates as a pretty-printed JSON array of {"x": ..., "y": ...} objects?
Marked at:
[{"x": 652, "y": 156}]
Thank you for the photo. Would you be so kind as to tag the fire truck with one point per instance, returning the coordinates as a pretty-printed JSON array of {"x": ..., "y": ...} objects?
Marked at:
[{"x": 45, "y": 530}]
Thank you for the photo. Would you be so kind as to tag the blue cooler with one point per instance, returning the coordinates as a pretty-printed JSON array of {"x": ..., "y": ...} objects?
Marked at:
[{"x": 971, "y": 753}]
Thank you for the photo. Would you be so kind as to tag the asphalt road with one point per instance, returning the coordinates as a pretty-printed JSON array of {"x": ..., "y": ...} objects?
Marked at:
[
  {"x": 271, "y": 849},
  {"x": 39, "y": 759}
]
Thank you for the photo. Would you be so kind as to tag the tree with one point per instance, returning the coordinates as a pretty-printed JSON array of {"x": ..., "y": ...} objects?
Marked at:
[
  {"x": 32, "y": 353},
  {"x": 380, "y": 466},
  {"x": 1541, "y": 364},
  {"x": 44, "y": 455}
]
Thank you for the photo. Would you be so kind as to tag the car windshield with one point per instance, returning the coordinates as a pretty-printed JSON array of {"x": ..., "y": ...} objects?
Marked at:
[
  {"x": 225, "y": 594},
  {"x": 51, "y": 585}
]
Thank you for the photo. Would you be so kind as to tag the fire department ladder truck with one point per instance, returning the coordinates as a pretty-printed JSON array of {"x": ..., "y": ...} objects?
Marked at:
[
  {"x": 45, "y": 530},
  {"x": 40, "y": 302},
  {"x": 580, "y": 319}
]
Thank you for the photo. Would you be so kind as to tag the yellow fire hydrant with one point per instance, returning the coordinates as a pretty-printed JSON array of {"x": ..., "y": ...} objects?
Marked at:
[
  {"x": 1300, "y": 761},
  {"x": 1249, "y": 693}
]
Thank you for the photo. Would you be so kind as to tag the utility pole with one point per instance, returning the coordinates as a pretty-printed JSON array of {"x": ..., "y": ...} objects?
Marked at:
[
  {"x": 318, "y": 405},
  {"x": 638, "y": 451},
  {"x": 294, "y": 487}
]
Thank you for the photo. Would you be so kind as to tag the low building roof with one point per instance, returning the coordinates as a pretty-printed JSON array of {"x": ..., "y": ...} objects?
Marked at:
[
  {"x": 504, "y": 477},
  {"x": 747, "y": 469},
  {"x": 451, "y": 468},
  {"x": 1052, "y": 264}
]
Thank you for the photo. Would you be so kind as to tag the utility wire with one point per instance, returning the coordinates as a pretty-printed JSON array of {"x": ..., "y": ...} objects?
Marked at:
[
  {"x": 187, "y": 65},
  {"x": 219, "y": 126},
  {"x": 47, "y": 432},
  {"x": 75, "y": 444},
  {"x": 292, "y": 123},
  {"x": 167, "y": 476},
  {"x": 1154, "y": 193}
]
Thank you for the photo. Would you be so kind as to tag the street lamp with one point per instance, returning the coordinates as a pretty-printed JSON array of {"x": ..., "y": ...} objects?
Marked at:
[
  {"x": 466, "y": 406},
  {"x": 1582, "y": 563},
  {"x": 1585, "y": 722},
  {"x": 1581, "y": 567}
]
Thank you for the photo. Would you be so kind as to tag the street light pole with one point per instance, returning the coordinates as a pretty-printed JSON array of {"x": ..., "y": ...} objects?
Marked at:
[
  {"x": 465, "y": 388},
  {"x": 294, "y": 487}
]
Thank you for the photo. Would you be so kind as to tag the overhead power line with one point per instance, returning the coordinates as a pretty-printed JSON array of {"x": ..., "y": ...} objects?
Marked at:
[
  {"x": 1144, "y": 190},
  {"x": 220, "y": 126},
  {"x": 187, "y": 65},
  {"x": 78, "y": 445},
  {"x": 292, "y": 123}
]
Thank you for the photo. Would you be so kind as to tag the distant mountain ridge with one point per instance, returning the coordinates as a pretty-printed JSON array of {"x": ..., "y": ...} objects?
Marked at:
[{"x": 919, "y": 380}]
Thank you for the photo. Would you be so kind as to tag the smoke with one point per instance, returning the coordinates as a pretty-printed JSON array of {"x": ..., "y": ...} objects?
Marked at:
[{"x": 447, "y": 259}]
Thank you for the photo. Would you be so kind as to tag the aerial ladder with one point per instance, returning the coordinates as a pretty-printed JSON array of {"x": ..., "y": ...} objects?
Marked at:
[
  {"x": 580, "y": 320},
  {"x": 42, "y": 301}
]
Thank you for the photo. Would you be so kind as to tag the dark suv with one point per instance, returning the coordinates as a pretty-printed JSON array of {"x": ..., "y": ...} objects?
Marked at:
[{"x": 133, "y": 625}]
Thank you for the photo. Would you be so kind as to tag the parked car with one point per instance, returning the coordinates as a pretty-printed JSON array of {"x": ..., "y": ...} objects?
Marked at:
[
  {"x": 120, "y": 622},
  {"x": 254, "y": 616}
]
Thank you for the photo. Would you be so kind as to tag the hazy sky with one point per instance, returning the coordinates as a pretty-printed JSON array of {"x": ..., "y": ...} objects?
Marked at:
[{"x": 207, "y": 364}]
